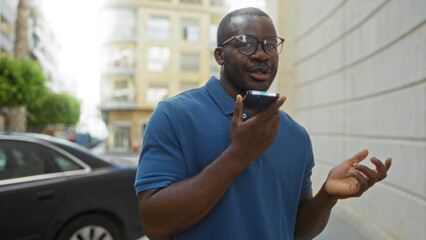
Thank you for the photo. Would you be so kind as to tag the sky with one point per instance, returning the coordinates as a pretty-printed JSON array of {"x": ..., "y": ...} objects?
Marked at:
[{"x": 76, "y": 26}]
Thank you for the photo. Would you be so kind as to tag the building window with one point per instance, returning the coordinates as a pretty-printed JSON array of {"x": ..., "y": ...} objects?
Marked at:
[
  {"x": 214, "y": 67},
  {"x": 143, "y": 128},
  {"x": 158, "y": 59},
  {"x": 119, "y": 57},
  {"x": 190, "y": 30},
  {"x": 190, "y": 1},
  {"x": 213, "y": 34},
  {"x": 217, "y": 2},
  {"x": 157, "y": 93},
  {"x": 185, "y": 86},
  {"x": 119, "y": 23},
  {"x": 189, "y": 62},
  {"x": 122, "y": 136},
  {"x": 159, "y": 28},
  {"x": 123, "y": 90}
]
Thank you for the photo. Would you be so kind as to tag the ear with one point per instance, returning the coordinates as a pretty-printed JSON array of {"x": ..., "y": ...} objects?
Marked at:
[{"x": 218, "y": 55}]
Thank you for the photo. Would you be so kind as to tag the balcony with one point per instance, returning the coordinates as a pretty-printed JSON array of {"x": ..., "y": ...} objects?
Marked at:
[
  {"x": 6, "y": 11},
  {"x": 110, "y": 105},
  {"x": 6, "y": 42},
  {"x": 119, "y": 71},
  {"x": 191, "y": 1},
  {"x": 217, "y": 2},
  {"x": 120, "y": 38}
]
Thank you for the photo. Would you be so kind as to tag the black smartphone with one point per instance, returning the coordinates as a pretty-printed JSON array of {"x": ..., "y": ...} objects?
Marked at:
[{"x": 259, "y": 99}]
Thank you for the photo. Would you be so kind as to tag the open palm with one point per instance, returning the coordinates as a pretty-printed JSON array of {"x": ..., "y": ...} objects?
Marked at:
[{"x": 351, "y": 179}]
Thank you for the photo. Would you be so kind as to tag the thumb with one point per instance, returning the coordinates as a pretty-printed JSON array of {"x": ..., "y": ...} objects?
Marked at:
[
  {"x": 238, "y": 110},
  {"x": 359, "y": 156}
]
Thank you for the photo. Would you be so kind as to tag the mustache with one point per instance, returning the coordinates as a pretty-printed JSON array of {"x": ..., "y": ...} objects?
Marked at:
[{"x": 259, "y": 67}]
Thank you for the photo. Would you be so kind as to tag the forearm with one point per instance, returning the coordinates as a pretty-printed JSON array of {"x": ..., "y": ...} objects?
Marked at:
[
  {"x": 313, "y": 215},
  {"x": 183, "y": 204}
]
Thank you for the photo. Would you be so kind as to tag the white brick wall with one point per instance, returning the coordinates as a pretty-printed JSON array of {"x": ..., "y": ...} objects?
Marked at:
[{"x": 359, "y": 72}]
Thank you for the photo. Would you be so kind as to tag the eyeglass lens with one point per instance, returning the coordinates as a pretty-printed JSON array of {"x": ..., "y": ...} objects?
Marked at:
[{"x": 248, "y": 45}]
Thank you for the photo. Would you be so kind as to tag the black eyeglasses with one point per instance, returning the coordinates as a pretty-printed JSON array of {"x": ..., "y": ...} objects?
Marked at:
[{"x": 247, "y": 44}]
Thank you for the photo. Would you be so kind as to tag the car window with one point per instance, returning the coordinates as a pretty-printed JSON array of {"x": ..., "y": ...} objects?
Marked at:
[
  {"x": 65, "y": 164},
  {"x": 21, "y": 159},
  {"x": 2, "y": 160}
]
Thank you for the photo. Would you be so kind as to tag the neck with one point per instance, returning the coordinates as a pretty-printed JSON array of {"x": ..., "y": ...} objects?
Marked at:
[{"x": 229, "y": 88}]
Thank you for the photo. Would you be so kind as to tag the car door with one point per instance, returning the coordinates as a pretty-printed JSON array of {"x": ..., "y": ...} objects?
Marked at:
[{"x": 32, "y": 189}]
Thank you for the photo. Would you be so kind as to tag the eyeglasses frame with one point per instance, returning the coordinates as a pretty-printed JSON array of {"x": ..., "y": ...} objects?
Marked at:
[{"x": 257, "y": 40}]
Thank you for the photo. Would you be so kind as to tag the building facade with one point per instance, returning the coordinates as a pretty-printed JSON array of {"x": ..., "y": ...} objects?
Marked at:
[
  {"x": 152, "y": 50},
  {"x": 355, "y": 77},
  {"x": 7, "y": 25}
]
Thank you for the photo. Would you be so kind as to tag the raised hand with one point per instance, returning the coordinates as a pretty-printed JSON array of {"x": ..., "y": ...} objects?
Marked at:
[
  {"x": 352, "y": 179},
  {"x": 251, "y": 138}
]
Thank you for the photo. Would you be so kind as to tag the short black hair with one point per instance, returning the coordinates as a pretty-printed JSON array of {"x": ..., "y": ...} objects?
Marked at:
[{"x": 223, "y": 27}]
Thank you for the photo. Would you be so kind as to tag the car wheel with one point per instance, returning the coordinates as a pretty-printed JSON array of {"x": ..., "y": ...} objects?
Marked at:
[{"x": 93, "y": 227}]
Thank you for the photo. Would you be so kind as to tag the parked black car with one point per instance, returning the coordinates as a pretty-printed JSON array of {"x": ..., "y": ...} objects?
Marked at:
[{"x": 51, "y": 188}]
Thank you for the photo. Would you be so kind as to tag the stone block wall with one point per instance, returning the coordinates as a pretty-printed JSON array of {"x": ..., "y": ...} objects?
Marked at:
[{"x": 357, "y": 77}]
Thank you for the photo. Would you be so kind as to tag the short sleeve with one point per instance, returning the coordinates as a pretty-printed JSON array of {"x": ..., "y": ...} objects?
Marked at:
[
  {"x": 307, "y": 183},
  {"x": 161, "y": 162}
]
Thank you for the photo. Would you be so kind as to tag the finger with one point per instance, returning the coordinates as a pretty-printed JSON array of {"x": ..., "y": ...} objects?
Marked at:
[
  {"x": 275, "y": 125},
  {"x": 273, "y": 107},
  {"x": 380, "y": 167},
  {"x": 272, "y": 110},
  {"x": 238, "y": 110},
  {"x": 358, "y": 157},
  {"x": 388, "y": 164},
  {"x": 277, "y": 104},
  {"x": 371, "y": 175},
  {"x": 362, "y": 182},
  {"x": 280, "y": 101}
]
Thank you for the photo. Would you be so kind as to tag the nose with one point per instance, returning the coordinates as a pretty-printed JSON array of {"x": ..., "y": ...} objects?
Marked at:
[{"x": 260, "y": 54}]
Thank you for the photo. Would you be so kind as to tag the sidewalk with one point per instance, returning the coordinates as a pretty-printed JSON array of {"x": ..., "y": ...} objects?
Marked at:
[{"x": 338, "y": 229}]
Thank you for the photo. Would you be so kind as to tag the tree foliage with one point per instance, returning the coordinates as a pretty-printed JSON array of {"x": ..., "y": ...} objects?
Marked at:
[
  {"x": 55, "y": 108},
  {"x": 22, "y": 82}
]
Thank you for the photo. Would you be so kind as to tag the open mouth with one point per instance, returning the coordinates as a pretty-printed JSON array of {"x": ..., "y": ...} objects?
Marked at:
[{"x": 260, "y": 73}]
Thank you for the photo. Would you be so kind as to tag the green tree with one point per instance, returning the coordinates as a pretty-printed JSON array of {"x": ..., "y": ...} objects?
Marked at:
[
  {"x": 22, "y": 83},
  {"x": 55, "y": 108}
]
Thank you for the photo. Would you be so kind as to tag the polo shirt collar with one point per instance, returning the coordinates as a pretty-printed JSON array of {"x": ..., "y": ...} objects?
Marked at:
[{"x": 220, "y": 96}]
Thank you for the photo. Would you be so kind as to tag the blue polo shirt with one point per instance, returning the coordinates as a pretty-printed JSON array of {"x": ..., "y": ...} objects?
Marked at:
[{"x": 187, "y": 132}]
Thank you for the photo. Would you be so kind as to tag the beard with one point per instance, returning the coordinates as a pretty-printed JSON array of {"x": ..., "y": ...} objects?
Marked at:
[{"x": 241, "y": 81}]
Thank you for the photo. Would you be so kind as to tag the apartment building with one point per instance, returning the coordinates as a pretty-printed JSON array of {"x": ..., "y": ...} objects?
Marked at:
[
  {"x": 152, "y": 50},
  {"x": 7, "y": 25}
]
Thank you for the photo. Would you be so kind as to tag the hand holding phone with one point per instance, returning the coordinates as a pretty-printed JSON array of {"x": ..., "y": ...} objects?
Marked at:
[{"x": 259, "y": 99}]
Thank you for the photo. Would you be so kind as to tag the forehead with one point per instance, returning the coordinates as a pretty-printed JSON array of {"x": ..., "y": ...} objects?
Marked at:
[{"x": 257, "y": 26}]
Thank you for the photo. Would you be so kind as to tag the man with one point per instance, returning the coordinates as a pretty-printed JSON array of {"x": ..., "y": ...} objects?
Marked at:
[{"x": 210, "y": 169}]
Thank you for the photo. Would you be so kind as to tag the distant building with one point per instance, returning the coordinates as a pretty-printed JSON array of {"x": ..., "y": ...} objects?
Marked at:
[
  {"x": 7, "y": 25},
  {"x": 43, "y": 46},
  {"x": 152, "y": 50}
]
